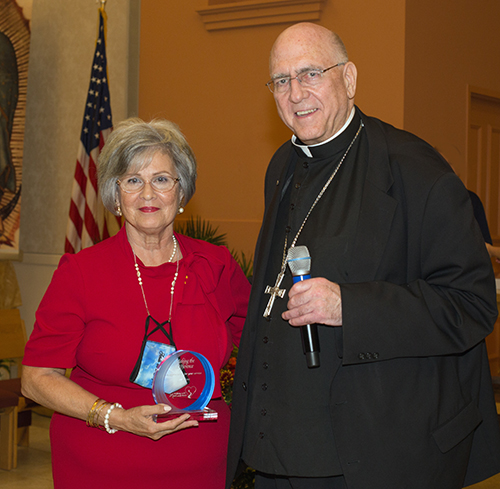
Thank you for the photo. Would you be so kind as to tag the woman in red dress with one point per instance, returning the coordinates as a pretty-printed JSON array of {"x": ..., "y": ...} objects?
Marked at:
[{"x": 92, "y": 320}]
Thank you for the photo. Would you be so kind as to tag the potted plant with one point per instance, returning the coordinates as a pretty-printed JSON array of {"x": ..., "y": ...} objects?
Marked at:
[{"x": 5, "y": 369}]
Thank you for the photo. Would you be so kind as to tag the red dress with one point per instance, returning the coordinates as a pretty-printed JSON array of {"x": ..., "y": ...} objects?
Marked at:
[{"x": 92, "y": 319}]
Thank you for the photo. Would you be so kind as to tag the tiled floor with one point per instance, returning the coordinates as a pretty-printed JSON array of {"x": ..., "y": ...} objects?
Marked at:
[
  {"x": 33, "y": 463},
  {"x": 34, "y": 472}
]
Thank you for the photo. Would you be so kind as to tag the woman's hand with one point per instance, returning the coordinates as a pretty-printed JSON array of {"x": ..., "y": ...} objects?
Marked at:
[
  {"x": 140, "y": 421},
  {"x": 51, "y": 388}
]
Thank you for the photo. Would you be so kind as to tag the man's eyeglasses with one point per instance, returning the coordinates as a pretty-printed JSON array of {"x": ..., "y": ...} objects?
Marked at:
[
  {"x": 160, "y": 183},
  {"x": 309, "y": 78}
]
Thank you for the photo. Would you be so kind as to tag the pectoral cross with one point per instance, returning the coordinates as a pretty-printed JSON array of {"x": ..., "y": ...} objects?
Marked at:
[{"x": 275, "y": 292}]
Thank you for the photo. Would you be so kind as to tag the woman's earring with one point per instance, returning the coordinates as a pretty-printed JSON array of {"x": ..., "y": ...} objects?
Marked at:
[
  {"x": 181, "y": 210},
  {"x": 118, "y": 209}
]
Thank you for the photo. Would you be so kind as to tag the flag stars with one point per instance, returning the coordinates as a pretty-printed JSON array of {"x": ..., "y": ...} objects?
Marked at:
[{"x": 98, "y": 113}]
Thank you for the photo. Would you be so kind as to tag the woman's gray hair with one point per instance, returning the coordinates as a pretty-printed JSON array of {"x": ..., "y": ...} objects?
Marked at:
[{"x": 132, "y": 145}]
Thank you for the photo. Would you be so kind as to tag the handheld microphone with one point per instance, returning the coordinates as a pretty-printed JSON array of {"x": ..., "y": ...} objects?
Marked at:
[{"x": 299, "y": 261}]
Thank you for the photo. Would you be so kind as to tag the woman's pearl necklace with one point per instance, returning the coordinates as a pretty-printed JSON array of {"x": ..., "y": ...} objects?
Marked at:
[
  {"x": 172, "y": 256},
  {"x": 172, "y": 287}
]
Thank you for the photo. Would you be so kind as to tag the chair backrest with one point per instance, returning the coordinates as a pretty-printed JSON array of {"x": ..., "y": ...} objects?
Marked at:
[{"x": 12, "y": 334}]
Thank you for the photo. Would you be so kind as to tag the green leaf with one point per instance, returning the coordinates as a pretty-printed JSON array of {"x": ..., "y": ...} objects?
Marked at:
[{"x": 199, "y": 228}]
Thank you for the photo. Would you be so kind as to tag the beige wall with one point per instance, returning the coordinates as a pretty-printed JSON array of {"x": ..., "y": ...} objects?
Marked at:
[
  {"x": 449, "y": 44},
  {"x": 212, "y": 85}
]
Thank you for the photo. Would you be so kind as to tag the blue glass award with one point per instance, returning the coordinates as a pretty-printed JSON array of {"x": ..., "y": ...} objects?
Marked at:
[{"x": 185, "y": 381}]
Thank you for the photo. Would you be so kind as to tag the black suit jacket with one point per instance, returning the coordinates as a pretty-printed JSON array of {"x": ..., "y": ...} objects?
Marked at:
[{"x": 416, "y": 406}]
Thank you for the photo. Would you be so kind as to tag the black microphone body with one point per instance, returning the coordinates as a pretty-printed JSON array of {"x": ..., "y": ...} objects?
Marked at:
[{"x": 299, "y": 261}]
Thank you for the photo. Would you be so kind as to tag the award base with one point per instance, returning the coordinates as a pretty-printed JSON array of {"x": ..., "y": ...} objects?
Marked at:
[{"x": 202, "y": 415}]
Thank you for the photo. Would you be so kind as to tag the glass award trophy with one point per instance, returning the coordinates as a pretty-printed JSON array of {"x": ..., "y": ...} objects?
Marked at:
[{"x": 185, "y": 381}]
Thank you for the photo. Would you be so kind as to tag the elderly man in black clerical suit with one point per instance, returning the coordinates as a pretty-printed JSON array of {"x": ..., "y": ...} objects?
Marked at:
[{"x": 402, "y": 292}]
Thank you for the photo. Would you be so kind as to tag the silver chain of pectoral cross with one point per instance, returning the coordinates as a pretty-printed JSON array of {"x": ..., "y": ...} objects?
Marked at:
[{"x": 275, "y": 291}]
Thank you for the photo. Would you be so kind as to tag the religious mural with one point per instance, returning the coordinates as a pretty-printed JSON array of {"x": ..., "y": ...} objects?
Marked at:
[{"x": 14, "y": 53}]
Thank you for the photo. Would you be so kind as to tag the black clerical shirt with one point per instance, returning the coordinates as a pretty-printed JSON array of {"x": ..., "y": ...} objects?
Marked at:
[{"x": 289, "y": 427}]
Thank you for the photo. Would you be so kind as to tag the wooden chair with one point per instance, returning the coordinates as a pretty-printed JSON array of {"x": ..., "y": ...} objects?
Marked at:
[{"x": 13, "y": 406}]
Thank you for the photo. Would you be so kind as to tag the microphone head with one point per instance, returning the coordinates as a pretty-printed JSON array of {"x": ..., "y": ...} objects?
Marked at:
[{"x": 299, "y": 260}]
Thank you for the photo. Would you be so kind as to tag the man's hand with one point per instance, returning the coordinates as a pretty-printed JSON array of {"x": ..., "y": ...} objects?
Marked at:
[{"x": 316, "y": 300}]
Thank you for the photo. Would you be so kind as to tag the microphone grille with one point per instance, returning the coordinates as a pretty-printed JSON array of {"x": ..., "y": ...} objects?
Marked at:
[{"x": 299, "y": 260}]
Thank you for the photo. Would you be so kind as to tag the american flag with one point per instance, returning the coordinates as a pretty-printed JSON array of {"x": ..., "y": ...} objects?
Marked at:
[{"x": 88, "y": 221}]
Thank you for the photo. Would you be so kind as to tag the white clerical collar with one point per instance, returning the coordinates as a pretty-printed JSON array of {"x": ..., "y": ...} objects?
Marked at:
[{"x": 305, "y": 147}]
